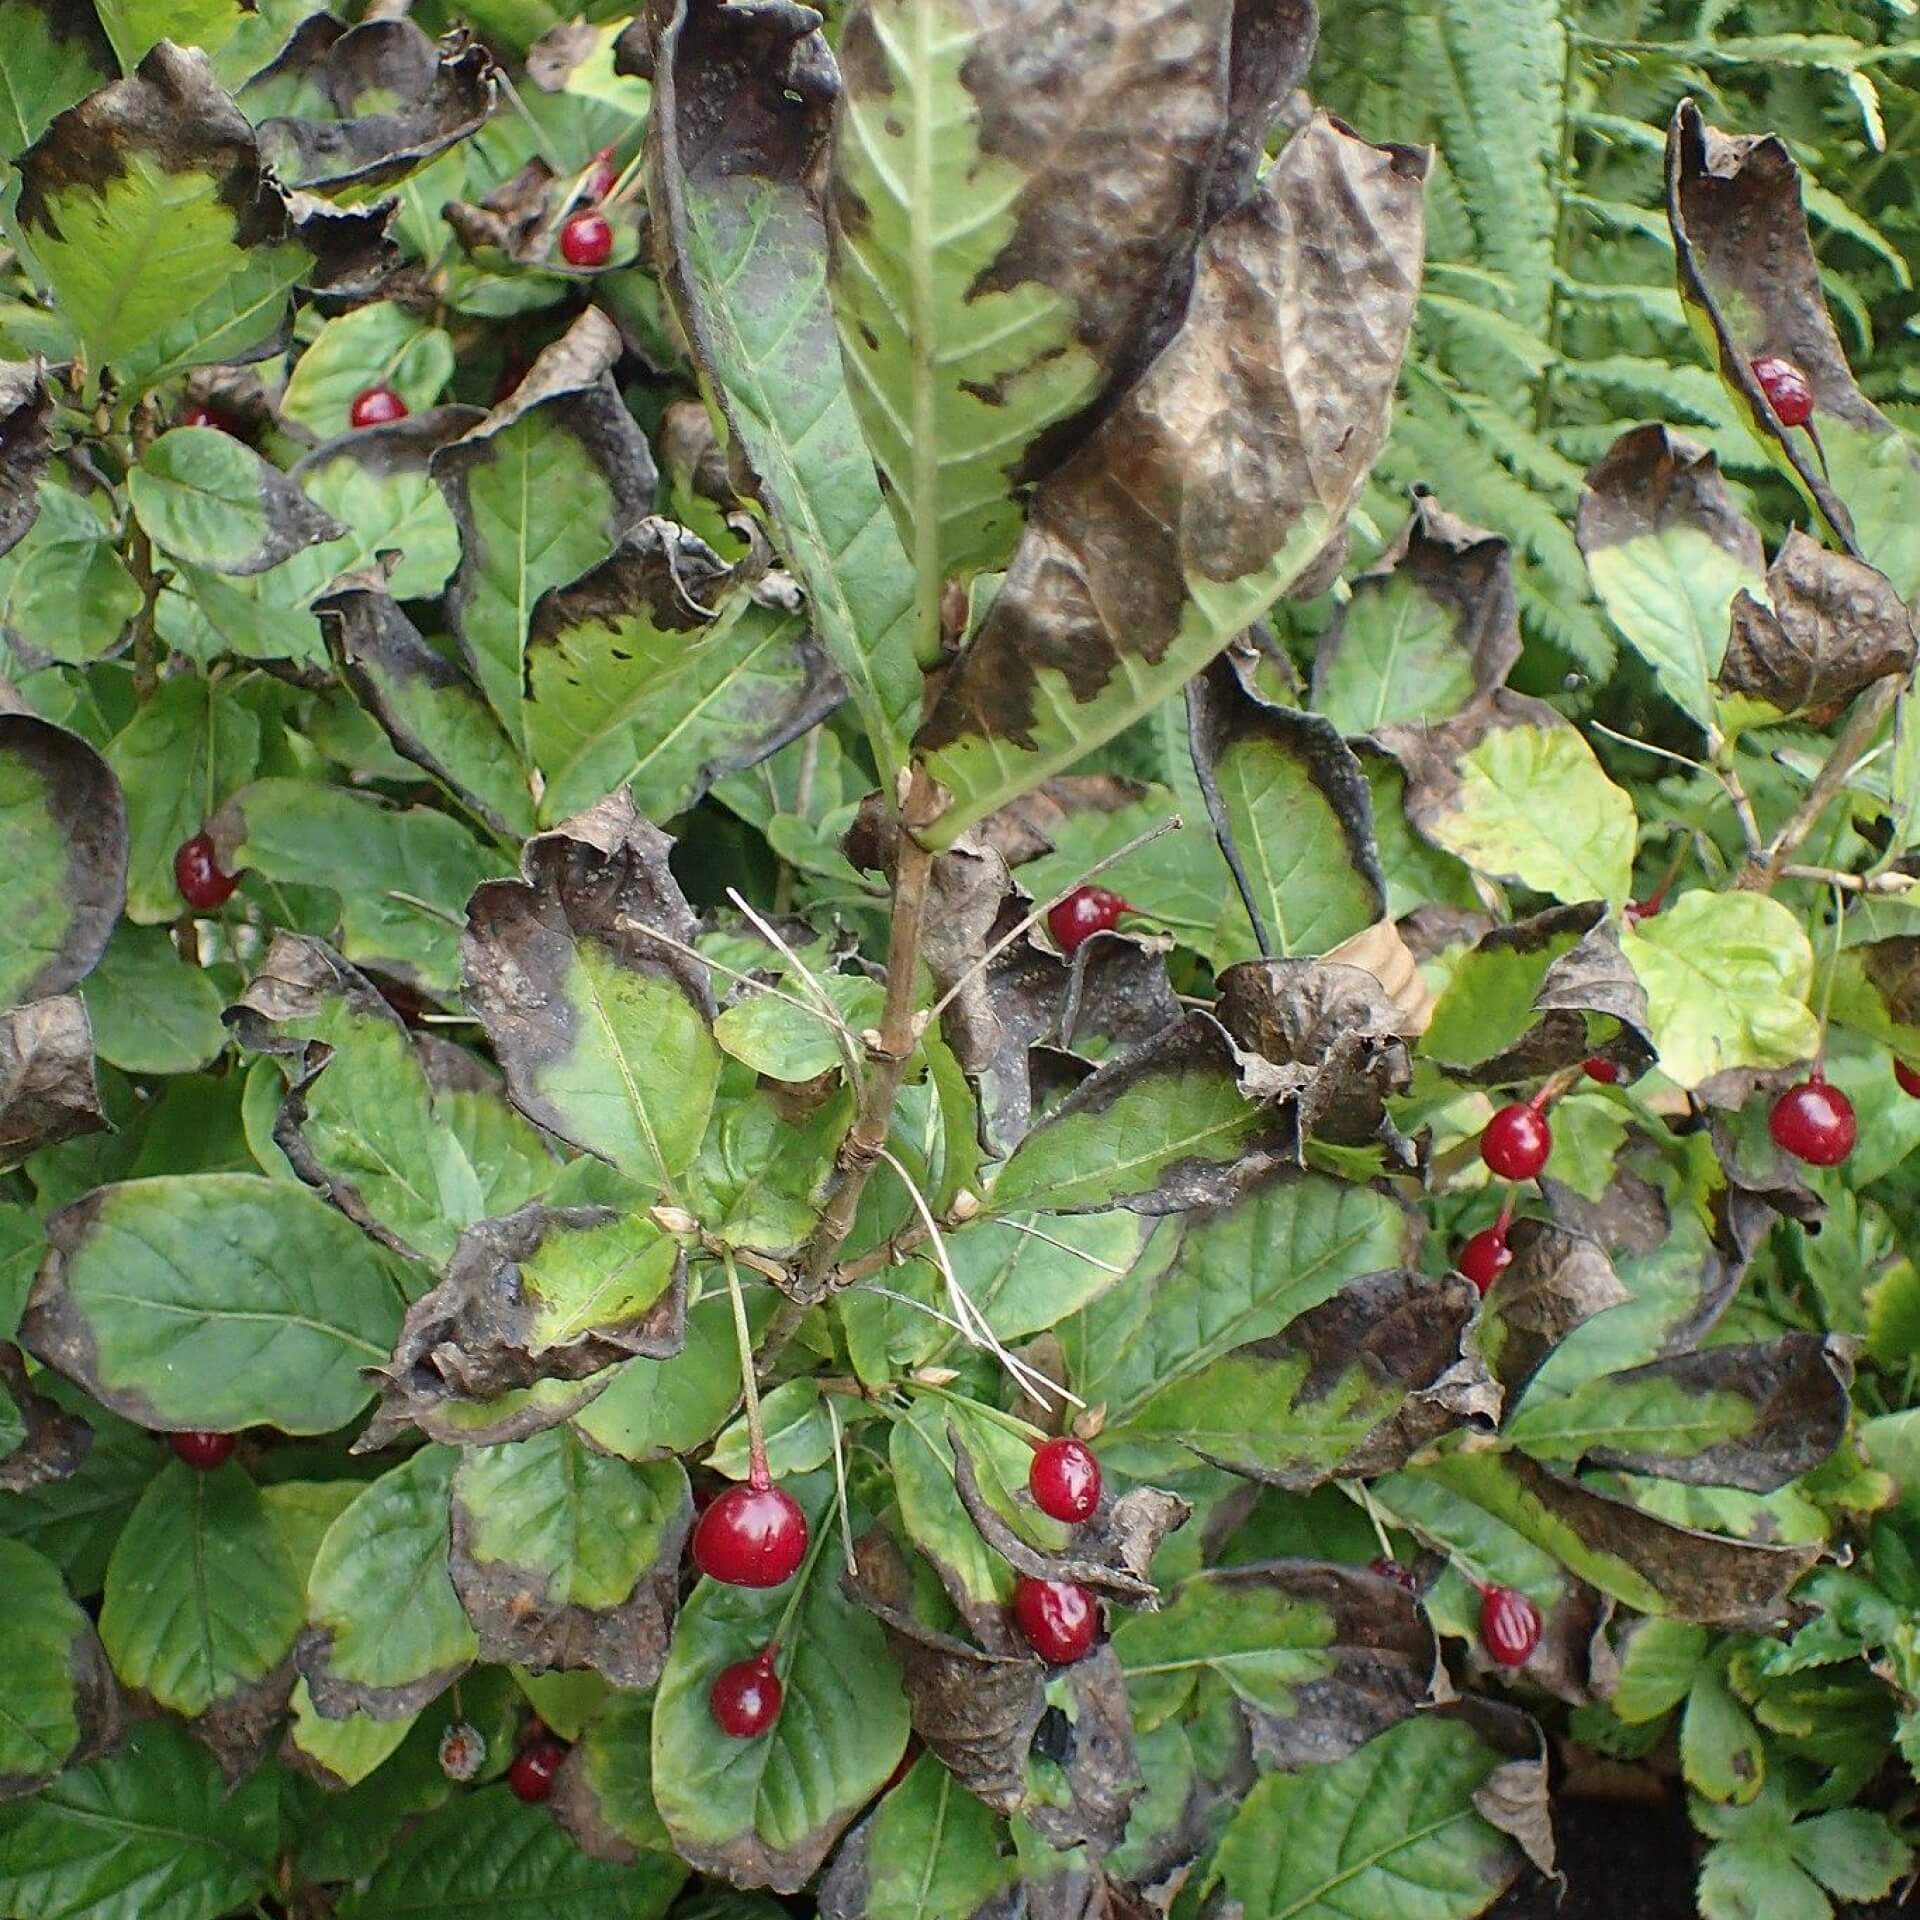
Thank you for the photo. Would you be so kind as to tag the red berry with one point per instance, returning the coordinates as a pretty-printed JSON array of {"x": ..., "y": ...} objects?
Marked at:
[
  {"x": 1509, "y": 1625},
  {"x": 1814, "y": 1122},
  {"x": 1058, "y": 1618},
  {"x": 531, "y": 1775},
  {"x": 745, "y": 1698},
  {"x": 376, "y": 407},
  {"x": 196, "y": 872},
  {"x": 1909, "y": 1079},
  {"x": 1485, "y": 1257},
  {"x": 600, "y": 176},
  {"x": 586, "y": 240},
  {"x": 1789, "y": 392},
  {"x": 1517, "y": 1141},
  {"x": 751, "y": 1537},
  {"x": 1064, "y": 1479},
  {"x": 1083, "y": 913},
  {"x": 1602, "y": 1070},
  {"x": 203, "y": 1451},
  {"x": 1401, "y": 1576},
  {"x": 197, "y": 416}
]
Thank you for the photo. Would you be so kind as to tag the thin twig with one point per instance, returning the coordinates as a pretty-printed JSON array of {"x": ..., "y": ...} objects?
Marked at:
[
  {"x": 1877, "y": 883},
  {"x": 1079, "y": 1253},
  {"x": 849, "y": 1051},
  {"x": 840, "y": 1482}
]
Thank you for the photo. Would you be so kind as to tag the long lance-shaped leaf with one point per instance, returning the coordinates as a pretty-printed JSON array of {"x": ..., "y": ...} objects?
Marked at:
[
  {"x": 1750, "y": 280},
  {"x": 1211, "y": 486},
  {"x": 1014, "y": 190},
  {"x": 744, "y": 95}
]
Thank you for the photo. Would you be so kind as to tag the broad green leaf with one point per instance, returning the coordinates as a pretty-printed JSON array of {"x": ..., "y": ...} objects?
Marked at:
[
  {"x": 1416, "y": 872},
  {"x": 567, "y": 1700},
  {"x": 1511, "y": 788},
  {"x": 202, "y": 1599},
  {"x": 614, "y": 1764},
  {"x": 378, "y": 345},
  {"x": 1668, "y": 551},
  {"x": 302, "y": 1511},
  {"x": 64, "y": 824},
  {"x": 178, "y": 757},
  {"x": 1216, "y": 1282},
  {"x": 244, "y": 315},
  {"x": 1390, "y": 1830},
  {"x": 746, "y": 273},
  {"x": 219, "y": 1300},
  {"x": 151, "y": 1011},
  {"x": 605, "y": 1274},
  {"x": 486, "y": 1853},
  {"x": 799, "y": 1435},
  {"x": 203, "y": 615},
  {"x": 1649, "y": 1413},
  {"x": 789, "y": 1042},
  {"x": 344, "y": 1750},
  {"x": 1657, "y": 1666},
  {"x": 769, "y": 1810},
  {"x": 210, "y": 501},
  {"x": 150, "y": 1833},
  {"x": 656, "y": 1408},
  {"x": 1025, "y": 1283},
  {"x": 65, "y": 595},
  {"x": 134, "y": 25},
  {"x": 1852, "y": 1852},
  {"x": 380, "y": 1600},
  {"x": 50, "y": 1681},
  {"x": 1727, "y": 977},
  {"x": 56, "y": 55},
  {"x": 1189, "y": 511},
  {"x": 1721, "y": 1752},
  {"x": 933, "y": 1851}
]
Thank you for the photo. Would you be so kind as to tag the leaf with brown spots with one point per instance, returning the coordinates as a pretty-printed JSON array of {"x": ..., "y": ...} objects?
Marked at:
[
  {"x": 1210, "y": 487},
  {"x": 48, "y": 1444},
  {"x": 47, "y": 1088},
  {"x": 1556, "y": 1280}
]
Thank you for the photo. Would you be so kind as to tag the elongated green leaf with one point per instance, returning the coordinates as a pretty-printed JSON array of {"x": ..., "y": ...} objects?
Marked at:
[
  {"x": 212, "y": 502},
  {"x": 65, "y": 595},
  {"x": 487, "y": 1853},
  {"x": 729, "y": 163},
  {"x": 767, "y": 1811},
  {"x": 56, "y": 1698},
  {"x": 217, "y": 1300},
  {"x": 1390, "y": 1825},
  {"x": 930, "y": 1851},
  {"x": 654, "y": 1408},
  {"x": 1209, "y": 488},
  {"x": 152, "y": 1012},
  {"x": 386, "y": 1632},
  {"x": 151, "y": 1833},
  {"x": 203, "y": 1600}
]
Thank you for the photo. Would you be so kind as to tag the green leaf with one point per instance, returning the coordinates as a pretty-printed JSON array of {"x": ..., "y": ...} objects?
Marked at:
[
  {"x": 219, "y": 1300},
  {"x": 932, "y": 1851},
  {"x": 1025, "y": 1284},
  {"x": 346, "y": 1750},
  {"x": 1853, "y": 1853},
  {"x": 799, "y": 1435},
  {"x": 1390, "y": 1830},
  {"x": 388, "y": 1633},
  {"x": 767, "y": 1811},
  {"x": 1721, "y": 1752},
  {"x": 487, "y": 1853},
  {"x": 656, "y": 1408},
  {"x": 613, "y": 1769},
  {"x": 1727, "y": 977},
  {"x": 202, "y": 1599},
  {"x": 55, "y": 56},
  {"x": 789, "y": 1042},
  {"x": 212, "y": 502},
  {"x": 134, "y": 25},
  {"x": 65, "y": 595},
  {"x": 64, "y": 824},
  {"x": 1657, "y": 1668},
  {"x": 152, "y": 1833},
  {"x": 378, "y": 345},
  {"x": 243, "y": 316},
  {"x": 151, "y": 1011},
  {"x": 746, "y": 272},
  {"x": 51, "y": 1700}
]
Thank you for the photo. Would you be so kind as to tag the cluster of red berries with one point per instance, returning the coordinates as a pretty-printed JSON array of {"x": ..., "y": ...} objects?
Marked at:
[
  {"x": 753, "y": 1535},
  {"x": 1060, "y": 1619}
]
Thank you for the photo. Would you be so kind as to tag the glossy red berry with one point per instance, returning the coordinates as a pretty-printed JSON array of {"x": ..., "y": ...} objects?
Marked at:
[
  {"x": 1059, "y": 1618},
  {"x": 1909, "y": 1079},
  {"x": 197, "y": 416},
  {"x": 1814, "y": 1122},
  {"x": 1517, "y": 1141},
  {"x": 376, "y": 407},
  {"x": 531, "y": 1775},
  {"x": 1789, "y": 392},
  {"x": 745, "y": 1698},
  {"x": 202, "y": 1451},
  {"x": 1083, "y": 913},
  {"x": 1602, "y": 1070},
  {"x": 751, "y": 1537},
  {"x": 1401, "y": 1575},
  {"x": 1509, "y": 1625},
  {"x": 1485, "y": 1257},
  {"x": 196, "y": 872},
  {"x": 1064, "y": 1479},
  {"x": 586, "y": 239}
]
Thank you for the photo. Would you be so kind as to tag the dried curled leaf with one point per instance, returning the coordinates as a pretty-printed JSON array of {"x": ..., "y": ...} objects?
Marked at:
[
  {"x": 26, "y": 441},
  {"x": 1112, "y": 1548},
  {"x": 47, "y": 1088},
  {"x": 1556, "y": 1280},
  {"x": 56, "y": 1442}
]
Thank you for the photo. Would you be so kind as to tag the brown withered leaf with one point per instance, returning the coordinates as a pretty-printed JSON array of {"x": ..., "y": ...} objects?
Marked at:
[
  {"x": 440, "y": 96},
  {"x": 1556, "y": 1280},
  {"x": 26, "y": 440},
  {"x": 1273, "y": 43},
  {"x": 1629, "y": 1219},
  {"x": 1745, "y": 260},
  {"x": 1587, "y": 975},
  {"x": 976, "y": 1711},
  {"x": 1835, "y": 626},
  {"x": 1465, "y": 571},
  {"x": 353, "y": 256},
  {"x": 512, "y": 219},
  {"x": 1798, "y": 1386},
  {"x": 1103, "y": 1777},
  {"x": 1336, "y": 1041},
  {"x": 47, "y": 1088},
  {"x": 60, "y": 786},
  {"x": 474, "y": 1337},
  {"x": 1029, "y": 824},
  {"x": 241, "y": 1727},
  {"x": 1112, "y": 1548},
  {"x": 1652, "y": 481},
  {"x": 56, "y": 1442},
  {"x": 1212, "y": 484},
  {"x": 1514, "y": 1797}
]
